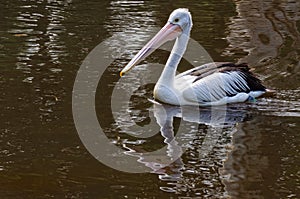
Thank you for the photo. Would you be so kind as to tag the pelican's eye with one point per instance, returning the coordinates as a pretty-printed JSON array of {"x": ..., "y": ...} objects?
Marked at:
[{"x": 176, "y": 20}]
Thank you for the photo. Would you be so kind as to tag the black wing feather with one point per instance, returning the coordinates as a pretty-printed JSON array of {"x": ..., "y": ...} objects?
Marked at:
[{"x": 253, "y": 82}]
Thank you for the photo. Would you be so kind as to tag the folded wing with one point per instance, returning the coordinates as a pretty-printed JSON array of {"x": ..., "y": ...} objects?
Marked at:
[{"x": 216, "y": 81}]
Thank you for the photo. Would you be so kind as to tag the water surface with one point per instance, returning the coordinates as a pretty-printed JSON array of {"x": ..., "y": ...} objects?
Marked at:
[{"x": 43, "y": 43}]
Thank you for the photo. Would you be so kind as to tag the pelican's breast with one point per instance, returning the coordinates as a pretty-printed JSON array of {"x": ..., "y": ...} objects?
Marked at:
[{"x": 166, "y": 94}]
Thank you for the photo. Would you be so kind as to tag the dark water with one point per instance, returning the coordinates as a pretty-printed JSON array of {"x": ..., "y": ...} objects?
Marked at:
[{"x": 43, "y": 44}]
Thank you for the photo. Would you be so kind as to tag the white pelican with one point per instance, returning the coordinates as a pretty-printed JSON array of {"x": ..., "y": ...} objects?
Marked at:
[{"x": 215, "y": 83}]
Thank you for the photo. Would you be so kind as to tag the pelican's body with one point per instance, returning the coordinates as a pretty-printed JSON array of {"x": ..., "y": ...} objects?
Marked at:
[
  {"x": 215, "y": 83},
  {"x": 209, "y": 84}
]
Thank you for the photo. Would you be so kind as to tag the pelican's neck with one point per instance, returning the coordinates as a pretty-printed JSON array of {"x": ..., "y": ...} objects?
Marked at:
[{"x": 169, "y": 72}]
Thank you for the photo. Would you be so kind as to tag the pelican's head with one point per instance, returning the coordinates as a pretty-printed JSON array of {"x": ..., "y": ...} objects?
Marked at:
[
  {"x": 180, "y": 21},
  {"x": 181, "y": 17}
]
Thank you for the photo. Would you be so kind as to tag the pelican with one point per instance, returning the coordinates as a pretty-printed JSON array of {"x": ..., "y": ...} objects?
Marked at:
[{"x": 216, "y": 83}]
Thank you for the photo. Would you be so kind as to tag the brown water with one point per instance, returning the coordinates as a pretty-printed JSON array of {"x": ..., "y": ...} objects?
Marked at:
[{"x": 43, "y": 43}]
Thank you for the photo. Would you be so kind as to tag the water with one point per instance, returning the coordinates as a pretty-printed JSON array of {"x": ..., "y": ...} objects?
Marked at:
[{"x": 43, "y": 43}]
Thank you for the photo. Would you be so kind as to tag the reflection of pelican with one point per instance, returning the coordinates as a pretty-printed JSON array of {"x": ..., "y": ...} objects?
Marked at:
[
  {"x": 212, "y": 116},
  {"x": 209, "y": 84},
  {"x": 167, "y": 161},
  {"x": 216, "y": 118}
]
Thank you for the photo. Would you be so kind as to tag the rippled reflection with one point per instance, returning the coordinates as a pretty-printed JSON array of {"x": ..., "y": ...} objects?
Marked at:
[
  {"x": 253, "y": 169},
  {"x": 39, "y": 26},
  {"x": 128, "y": 18},
  {"x": 269, "y": 32}
]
